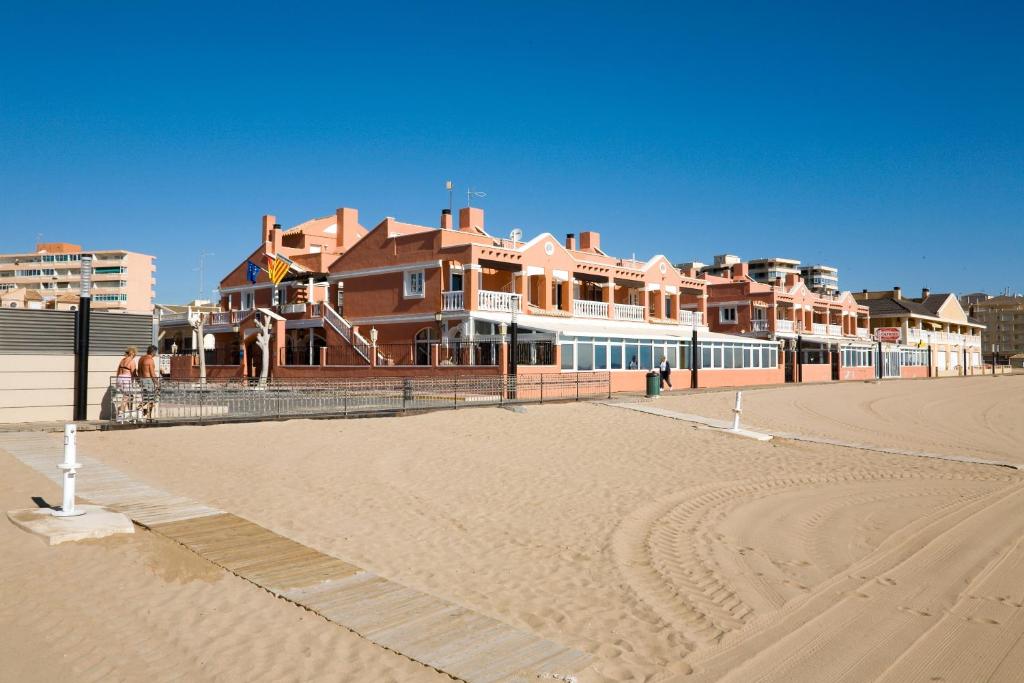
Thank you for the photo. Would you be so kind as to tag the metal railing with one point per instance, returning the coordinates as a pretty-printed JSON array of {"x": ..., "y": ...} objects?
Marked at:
[
  {"x": 589, "y": 309},
  {"x": 535, "y": 353},
  {"x": 250, "y": 399},
  {"x": 475, "y": 353},
  {"x": 345, "y": 355},
  {"x": 759, "y": 325},
  {"x": 301, "y": 355},
  {"x": 407, "y": 353},
  {"x": 452, "y": 301},
  {"x": 291, "y": 308}
]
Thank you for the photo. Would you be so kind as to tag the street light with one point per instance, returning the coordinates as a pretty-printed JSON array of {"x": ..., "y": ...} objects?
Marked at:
[{"x": 82, "y": 339}]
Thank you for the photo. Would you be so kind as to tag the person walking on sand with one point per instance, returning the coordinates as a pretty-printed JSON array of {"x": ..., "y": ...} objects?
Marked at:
[
  {"x": 666, "y": 373},
  {"x": 125, "y": 373},
  {"x": 149, "y": 378}
]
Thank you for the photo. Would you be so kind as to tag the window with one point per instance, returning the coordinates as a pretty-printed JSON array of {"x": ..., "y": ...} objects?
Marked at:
[
  {"x": 247, "y": 298},
  {"x": 456, "y": 281},
  {"x": 414, "y": 284},
  {"x": 727, "y": 314}
]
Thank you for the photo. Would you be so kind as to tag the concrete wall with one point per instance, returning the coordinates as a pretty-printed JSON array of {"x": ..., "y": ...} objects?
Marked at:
[
  {"x": 816, "y": 373},
  {"x": 37, "y": 388},
  {"x": 857, "y": 373}
]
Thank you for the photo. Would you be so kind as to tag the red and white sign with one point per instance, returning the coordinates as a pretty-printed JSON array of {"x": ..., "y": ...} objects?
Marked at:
[{"x": 890, "y": 335}]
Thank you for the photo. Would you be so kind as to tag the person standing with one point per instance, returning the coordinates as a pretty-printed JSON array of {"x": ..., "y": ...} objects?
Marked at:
[
  {"x": 149, "y": 378},
  {"x": 666, "y": 373},
  {"x": 125, "y": 373}
]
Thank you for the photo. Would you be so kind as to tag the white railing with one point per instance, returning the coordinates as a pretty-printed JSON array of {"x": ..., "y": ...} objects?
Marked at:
[
  {"x": 759, "y": 325},
  {"x": 691, "y": 318},
  {"x": 292, "y": 308},
  {"x": 629, "y": 312},
  {"x": 589, "y": 309},
  {"x": 783, "y": 325},
  {"x": 344, "y": 328},
  {"x": 239, "y": 316},
  {"x": 835, "y": 330},
  {"x": 862, "y": 332},
  {"x": 452, "y": 301},
  {"x": 316, "y": 311},
  {"x": 487, "y": 300},
  {"x": 221, "y": 318},
  {"x": 173, "y": 317},
  {"x": 819, "y": 328}
]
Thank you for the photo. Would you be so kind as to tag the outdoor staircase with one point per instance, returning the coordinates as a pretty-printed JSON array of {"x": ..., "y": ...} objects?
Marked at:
[{"x": 348, "y": 333}]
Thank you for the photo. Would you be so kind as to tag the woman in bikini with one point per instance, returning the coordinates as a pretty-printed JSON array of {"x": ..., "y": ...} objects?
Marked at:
[{"x": 125, "y": 375}]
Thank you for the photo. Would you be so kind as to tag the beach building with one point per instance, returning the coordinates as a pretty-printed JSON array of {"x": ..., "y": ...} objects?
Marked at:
[
  {"x": 822, "y": 337},
  {"x": 1003, "y": 317},
  {"x": 936, "y": 336},
  {"x": 821, "y": 279},
  {"x": 410, "y": 299},
  {"x": 768, "y": 270},
  {"x": 122, "y": 281}
]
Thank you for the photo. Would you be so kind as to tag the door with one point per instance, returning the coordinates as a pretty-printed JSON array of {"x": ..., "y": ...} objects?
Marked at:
[{"x": 835, "y": 364}]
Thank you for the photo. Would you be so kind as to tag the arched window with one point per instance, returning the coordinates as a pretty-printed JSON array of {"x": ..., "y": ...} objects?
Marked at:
[{"x": 424, "y": 339}]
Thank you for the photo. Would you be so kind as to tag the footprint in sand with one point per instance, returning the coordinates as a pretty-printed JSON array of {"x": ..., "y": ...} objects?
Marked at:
[
  {"x": 885, "y": 581},
  {"x": 982, "y": 620},
  {"x": 915, "y": 612}
]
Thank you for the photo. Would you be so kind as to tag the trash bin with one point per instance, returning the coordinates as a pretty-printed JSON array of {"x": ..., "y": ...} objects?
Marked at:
[{"x": 653, "y": 384}]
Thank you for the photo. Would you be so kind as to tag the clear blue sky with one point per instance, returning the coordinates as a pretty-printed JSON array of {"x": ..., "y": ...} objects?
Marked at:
[{"x": 884, "y": 138}]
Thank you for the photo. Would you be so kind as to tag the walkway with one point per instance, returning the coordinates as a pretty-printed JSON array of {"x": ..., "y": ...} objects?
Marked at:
[
  {"x": 427, "y": 629},
  {"x": 722, "y": 424}
]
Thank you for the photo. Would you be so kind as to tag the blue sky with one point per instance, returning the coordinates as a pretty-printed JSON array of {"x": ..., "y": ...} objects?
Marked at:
[{"x": 884, "y": 138}]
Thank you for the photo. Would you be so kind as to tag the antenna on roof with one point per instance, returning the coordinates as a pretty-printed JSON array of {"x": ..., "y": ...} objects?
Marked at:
[
  {"x": 202, "y": 271},
  {"x": 448, "y": 185},
  {"x": 473, "y": 193}
]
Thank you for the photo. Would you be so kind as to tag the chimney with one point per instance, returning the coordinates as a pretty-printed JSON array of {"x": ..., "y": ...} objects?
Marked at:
[
  {"x": 446, "y": 219},
  {"x": 897, "y": 293},
  {"x": 268, "y": 225},
  {"x": 590, "y": 241},
  {"x": 276, "y": 236},
  {"x": 925, "y": 292},
  {"x": 570, "y": 241},
  {"x": 739, "y": 271},
  {"x": 471, "y": 217},
  {"x": 778, "y": 280},
  {"x": 348, "y": 228},
  {"x": 792, "y": 279}
]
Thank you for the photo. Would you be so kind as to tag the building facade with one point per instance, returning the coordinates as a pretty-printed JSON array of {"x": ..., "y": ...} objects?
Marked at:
[
  {"x": 122, "y": 281},
  {"x": 821, "y": 279},
  {"x": 935, "y": 325},
  {"x": 1003, "y": 317}
]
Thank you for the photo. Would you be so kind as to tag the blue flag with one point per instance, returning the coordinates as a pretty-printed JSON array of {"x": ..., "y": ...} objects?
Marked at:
[{"x": 252, "y": 271}]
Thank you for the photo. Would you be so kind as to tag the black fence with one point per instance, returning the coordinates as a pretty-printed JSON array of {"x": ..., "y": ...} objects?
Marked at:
[
  {"x": 535, "y": 353},
  {"x": 469, "y": 353},
  {"x": 251, "y": 399}
]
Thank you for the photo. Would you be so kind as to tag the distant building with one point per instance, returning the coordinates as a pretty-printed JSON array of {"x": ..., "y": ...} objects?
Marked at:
[
  {"x": 968, "y": 300},
  {"x": 770, "y": 270},
  {"x": 821, "y": 279},
  {"x": 1003, "y": 317},
  {"x": 122, "y": 280}
]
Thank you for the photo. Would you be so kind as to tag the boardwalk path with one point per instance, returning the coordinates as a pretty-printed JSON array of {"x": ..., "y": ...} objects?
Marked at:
[{"x": 427, "y": 629}]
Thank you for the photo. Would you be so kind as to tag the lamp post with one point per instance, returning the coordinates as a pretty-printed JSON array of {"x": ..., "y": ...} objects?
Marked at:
[{"x": 82, "y": 339}]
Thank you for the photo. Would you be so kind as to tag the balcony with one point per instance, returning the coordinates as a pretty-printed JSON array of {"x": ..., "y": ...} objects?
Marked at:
[
  {"x": 453, "y": 301},
  {"x": 759, "y": 325},
  {"x": 835, "y": 330},
  {"x": 782, "y": 325},
  {"x": 628, "y": 312},
  {"x": 591, "y": 309},
  {"x": 820, "y": 329},
  {"x": 502, "y": 302},
  {"x": 291, "y": 308},
  {"x": 691, "y": 318},
  {"x": 862, "y": 332}
]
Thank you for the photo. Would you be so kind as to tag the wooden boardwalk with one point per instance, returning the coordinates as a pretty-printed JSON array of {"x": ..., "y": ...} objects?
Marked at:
[{"x": 452, "y": 639}]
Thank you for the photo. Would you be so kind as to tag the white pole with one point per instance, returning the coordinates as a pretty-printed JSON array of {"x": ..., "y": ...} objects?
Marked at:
[
  {"x": 736, "y": 411},
  {"x": 67, "y": 508}
]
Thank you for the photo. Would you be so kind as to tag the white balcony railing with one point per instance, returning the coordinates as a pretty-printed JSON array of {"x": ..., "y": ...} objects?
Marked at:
[
  {"x": 239, "y": 316},
  {"x": 292, "y": 308},
  {"x": 590, "y": 309},
  {"x": 629, "y": 312},
  {"x": 452, "y": 301},
  {"x": 819, "y": 328},
  {"x": 170, "y": 318},
  {"x": 221, "y": 318},
  {"x": 862, "y": 332},
  {"x": 759, "y": 325},
  {"x": 506, "y": 302},
  {"x": 782, "y": 325},
  {"x": 691, "y": 318},
  {"x": 835, "y": 330}
]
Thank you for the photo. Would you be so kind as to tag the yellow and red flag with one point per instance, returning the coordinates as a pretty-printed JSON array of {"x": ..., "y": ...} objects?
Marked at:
[{"x": 277, "y": 268}]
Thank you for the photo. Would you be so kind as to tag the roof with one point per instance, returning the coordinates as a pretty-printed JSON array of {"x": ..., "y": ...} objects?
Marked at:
[
  {"x": 934, "y": 302},
  {"x": 890, "y": 307},
  {"x": 68, "y": 298}
]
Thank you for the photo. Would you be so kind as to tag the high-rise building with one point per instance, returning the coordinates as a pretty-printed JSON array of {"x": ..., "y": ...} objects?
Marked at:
[
  {"x": 821, "y": 279},
  {"x": 1003, "y": 317},
  {"x": 121, "y": 280}
]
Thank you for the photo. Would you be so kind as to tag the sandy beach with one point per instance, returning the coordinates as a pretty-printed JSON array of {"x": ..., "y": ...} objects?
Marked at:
[{"x": 666, "y": 551}]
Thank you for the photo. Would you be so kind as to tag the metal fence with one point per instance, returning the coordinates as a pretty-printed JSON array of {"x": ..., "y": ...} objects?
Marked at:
[{"x": 248, "y": 399}]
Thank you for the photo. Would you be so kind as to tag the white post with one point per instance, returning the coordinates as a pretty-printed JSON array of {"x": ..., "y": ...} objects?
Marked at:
[
  {"x": 67, "y": 508},
  {"x": 736, "y": 411}
]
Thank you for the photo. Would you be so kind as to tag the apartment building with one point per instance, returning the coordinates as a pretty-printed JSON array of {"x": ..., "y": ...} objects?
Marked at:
[
  {"x": 1003, "y": 318},
  {"x": 122, "y": 280},
  {"x": 769, "y": 270},
  {"x": 933, "y": 323},
  {"x": 821, "y": 279}
]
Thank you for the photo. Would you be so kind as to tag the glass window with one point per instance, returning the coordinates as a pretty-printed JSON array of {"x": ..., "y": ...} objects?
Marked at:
[
  {"x": 729, "y": 357},
  {"x": 705, "y": 356},
  {"x": 672, "y": 352},
  {"x": 746, "y": 358},
  {"x": 414, "y": 284},
  {"x": 600, "y": 357},
  {"x": 568, "y": 361},
  {"x": 615, "y": 356},
  {"x": 632, "y": 355},
  {"x": 646, "y": 358},
  {"x": 717, "y": 362},
  {"x": 585, "y": 353},
  {"x": 727, "y": 314}
]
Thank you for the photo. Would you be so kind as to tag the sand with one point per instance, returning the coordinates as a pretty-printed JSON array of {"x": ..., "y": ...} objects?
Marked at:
[{"x": 667, "y": 552}]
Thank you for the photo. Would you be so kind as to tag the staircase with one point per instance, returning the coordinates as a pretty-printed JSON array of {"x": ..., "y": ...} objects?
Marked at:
[{"x": 344, "y": 328}]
